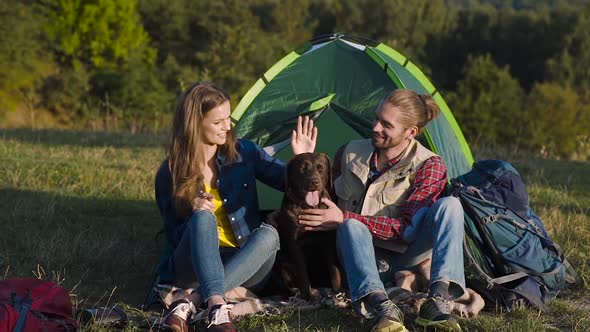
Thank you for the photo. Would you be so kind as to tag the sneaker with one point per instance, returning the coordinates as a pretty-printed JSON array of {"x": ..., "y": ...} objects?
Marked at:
[
  {"x": 389, "y": 318},
  {"x": 220, "y": 319},
  {"x": 178, "y": 315},
  {"x": 436, "y": 313}
]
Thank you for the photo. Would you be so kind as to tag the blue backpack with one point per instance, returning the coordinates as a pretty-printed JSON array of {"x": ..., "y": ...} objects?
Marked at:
[{"x": 509, "y": 257}]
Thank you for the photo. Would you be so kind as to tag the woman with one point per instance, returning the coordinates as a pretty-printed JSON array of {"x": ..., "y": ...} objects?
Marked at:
[{"x": 206, "y": 193}]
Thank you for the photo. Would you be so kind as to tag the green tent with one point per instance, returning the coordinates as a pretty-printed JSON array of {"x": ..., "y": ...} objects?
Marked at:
[{"x": 339, "y": 80}]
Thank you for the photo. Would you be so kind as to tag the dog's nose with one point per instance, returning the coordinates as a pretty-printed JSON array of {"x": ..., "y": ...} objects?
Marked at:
[{"x": 315, "y": 182}]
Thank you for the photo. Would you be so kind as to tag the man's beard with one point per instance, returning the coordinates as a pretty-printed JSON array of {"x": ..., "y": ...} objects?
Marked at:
[{"x": 384, "y": 143}]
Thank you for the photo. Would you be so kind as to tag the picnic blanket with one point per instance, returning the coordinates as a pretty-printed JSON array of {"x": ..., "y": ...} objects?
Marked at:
[{"x": 245, "y": 302}]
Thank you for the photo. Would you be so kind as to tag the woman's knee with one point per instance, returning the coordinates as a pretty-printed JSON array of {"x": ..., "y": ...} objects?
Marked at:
[
  {"x": 268, "y": 236},
  {"x": 202, "y": 222}
]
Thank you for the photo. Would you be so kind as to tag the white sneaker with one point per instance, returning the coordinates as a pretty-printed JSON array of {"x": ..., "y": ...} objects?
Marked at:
[{"x": 220, "y": 318}]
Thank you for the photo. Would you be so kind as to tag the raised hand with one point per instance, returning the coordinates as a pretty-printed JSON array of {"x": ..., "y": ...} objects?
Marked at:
[{"x": 303, "y": 138}]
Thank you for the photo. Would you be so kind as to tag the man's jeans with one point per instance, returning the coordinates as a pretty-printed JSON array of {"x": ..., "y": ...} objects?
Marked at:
[
  {"x": 200, "y": 263},
  {"x": 441, "y": 228}
]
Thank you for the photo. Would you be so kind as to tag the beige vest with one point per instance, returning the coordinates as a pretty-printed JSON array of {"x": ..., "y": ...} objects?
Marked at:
[{"x": 387, "y": 194}]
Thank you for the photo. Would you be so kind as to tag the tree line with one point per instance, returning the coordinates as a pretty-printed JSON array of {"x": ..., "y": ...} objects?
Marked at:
[{"x": 514, "y": 72}]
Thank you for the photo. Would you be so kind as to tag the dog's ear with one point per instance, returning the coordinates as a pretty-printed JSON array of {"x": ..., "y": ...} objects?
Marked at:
[
  {"x": 286, "y": 176},
  {"x": 330, "y": 183},
  {"x": 288, "y": 171}
]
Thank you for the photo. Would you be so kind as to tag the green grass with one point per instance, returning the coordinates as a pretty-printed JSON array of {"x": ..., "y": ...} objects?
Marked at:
[{"x": 78, "y": 207}]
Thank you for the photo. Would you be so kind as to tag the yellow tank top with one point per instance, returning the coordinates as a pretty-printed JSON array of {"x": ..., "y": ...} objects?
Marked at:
[{"x": 226, "y": 233}]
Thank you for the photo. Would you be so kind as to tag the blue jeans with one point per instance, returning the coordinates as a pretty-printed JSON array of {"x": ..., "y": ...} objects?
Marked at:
[
  {"x": 440, "y": 229},
  {"x": 200, "y": 263}
]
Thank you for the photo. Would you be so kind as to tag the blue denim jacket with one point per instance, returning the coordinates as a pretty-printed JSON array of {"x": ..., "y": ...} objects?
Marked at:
[{"x": 237, "y": 188}]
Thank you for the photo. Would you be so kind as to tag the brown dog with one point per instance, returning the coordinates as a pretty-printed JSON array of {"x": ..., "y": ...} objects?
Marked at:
[{"x": 312, "y": 254}]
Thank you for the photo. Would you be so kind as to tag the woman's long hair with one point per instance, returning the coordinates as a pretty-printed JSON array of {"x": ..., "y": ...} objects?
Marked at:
[{"x": 185, "y": 154}]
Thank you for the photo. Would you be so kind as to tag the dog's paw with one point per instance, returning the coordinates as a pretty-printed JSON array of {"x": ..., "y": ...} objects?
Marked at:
[{"x": 315, "y": 295}]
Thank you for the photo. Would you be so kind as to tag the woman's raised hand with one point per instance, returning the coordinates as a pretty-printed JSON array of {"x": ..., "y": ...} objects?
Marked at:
[{"x": 303, "y": 139}]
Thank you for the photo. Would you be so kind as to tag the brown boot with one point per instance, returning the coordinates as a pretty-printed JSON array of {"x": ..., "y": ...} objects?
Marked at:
[
  {"x": 220, "y": 319},
  {"x": 178, "y": 316}
]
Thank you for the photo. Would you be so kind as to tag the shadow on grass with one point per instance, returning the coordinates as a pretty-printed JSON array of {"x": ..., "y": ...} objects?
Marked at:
[
  {"x": 571, "y": 209},
  {"x": 107, "y": 246},
  {"x": 56, "y": 137},
  {"x": 555, "y": 172}
]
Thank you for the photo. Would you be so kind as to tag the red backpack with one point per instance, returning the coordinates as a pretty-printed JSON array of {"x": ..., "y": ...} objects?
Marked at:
[{"x": 31, "y": 305}]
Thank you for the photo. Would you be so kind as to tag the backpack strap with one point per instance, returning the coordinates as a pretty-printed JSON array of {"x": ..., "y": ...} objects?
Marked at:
[
  {"x": 542, "y": 274},
  {"x": 22, "y": 305},
  {"x": 536, "y": 228},
  {"x": 509, "y": 278}
]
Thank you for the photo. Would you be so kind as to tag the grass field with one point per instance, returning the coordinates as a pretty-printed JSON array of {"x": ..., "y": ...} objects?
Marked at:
[{"x": 78, "y": 207}]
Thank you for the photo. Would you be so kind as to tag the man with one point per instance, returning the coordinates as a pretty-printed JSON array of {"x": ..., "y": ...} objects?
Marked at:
[{"x": 390, "y": 214}]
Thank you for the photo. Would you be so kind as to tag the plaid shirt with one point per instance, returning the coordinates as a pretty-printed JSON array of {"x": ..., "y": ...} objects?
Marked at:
[{"x": 428, "y": 186}]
